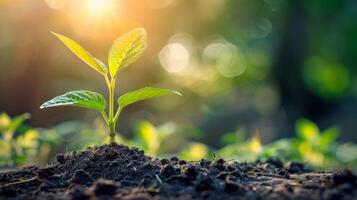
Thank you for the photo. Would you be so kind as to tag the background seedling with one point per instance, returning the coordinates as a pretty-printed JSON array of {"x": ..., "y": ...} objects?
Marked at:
[
  {"x": 125, "y": 50},
  {"x": 20, "y": 143}
]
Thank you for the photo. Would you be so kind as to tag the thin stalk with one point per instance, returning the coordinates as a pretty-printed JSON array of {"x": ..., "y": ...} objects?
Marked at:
[
  {"x": 112, "y": 134},
  {"x": 117, "y": 115},
  {"x": 111, "y": 87},
  {"x": 107, "y": 81},
  {"x": 105, "y": 117},
  {"x": 111, "y": 100}
]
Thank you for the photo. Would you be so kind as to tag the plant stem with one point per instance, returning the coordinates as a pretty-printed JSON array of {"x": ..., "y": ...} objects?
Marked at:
[
  {"x": 112, "y": 137},
  {"x": 111, "y": 87},
  {"x": 117, "y": 115},
  {"x": 111, "y": 100},
  {"x": 105, "y": 117}
]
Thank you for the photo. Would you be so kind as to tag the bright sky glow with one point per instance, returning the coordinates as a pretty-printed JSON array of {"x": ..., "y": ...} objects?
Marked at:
[
  {"x": 90, "y": 17},
  {"x": 99, "y": 7}
]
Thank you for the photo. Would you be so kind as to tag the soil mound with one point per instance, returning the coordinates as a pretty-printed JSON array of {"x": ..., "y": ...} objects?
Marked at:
[{"x": 120, "y": 172}]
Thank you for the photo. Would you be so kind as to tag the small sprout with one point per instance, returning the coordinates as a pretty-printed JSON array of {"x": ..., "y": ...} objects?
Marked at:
[
  {"x": 18, "y": 142},
  {"x": 125, "y": 50}
]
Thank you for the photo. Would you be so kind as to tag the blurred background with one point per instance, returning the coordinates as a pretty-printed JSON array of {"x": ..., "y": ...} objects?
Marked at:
[{"x": 260, "y": 78}]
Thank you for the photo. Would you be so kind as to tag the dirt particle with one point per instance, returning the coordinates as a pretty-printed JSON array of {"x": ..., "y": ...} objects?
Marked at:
[
  {"x": 182, "y": 162},
  {"x": 204, "y": 183},
  {"x": 140, "y": 196},
  {"x": 148, "y": 165},
  {"x": 147, "y": 180},
  {"x": 295, "y": 167},
  {"x": 190, "y": 171},
  {"x": 344, "y": 176},
  {"x": 103, "y": 187},
  {"x": 283, "y": 172},
  {"x": 223, "y": 175},
  {"x": 311, "y": 186},
  {"x": 275, "y": 162},
  {"x": 219, "y": 164},
  {"x": 8, "y": 192},
  {"x": 45, "y": 172},
  {"x": 230, "y": 186},
  {"x": 230, "y": 178},
  {"x": 114, "y": 164},
  {"x": 76, "y": 194},
  {"x": 83, "y": 164},
  {"x": 174, "y": 159},
  {"x": 231, "y": 168},
  {"x": 81, "y": 177},
  {"x": 60, "y": 158},
  {"x": 167, "y": 171},
  {"x": 110, "y": 153},
  {"x": 220, "y": 161},
  {"x": 204, "y": 163},
  {"x": 164, "y": 161},
  {"x": 266, "y": 166},
  {"x": 289, "y": 188}
]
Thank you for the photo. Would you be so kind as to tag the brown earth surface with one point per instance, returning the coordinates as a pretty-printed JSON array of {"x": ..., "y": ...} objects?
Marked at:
[{"x": 120, "y": 172}]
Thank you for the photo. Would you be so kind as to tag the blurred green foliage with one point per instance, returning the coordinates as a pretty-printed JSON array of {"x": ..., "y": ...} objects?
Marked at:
[
  {"x": 21, "y": 144},
  {"x": 321, "y": 149},
  {"x": 149, "y": 138},
  {"x": 329, "y": 80}
]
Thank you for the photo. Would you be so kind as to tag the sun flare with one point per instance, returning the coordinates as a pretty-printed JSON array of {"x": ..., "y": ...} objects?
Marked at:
[
  {"x": 99, "y": 6},
  {"x": 95, "y": 15}
]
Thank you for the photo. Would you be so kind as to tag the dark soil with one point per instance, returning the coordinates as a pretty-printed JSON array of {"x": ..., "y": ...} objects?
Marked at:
[{"x": 120, "y": 172}]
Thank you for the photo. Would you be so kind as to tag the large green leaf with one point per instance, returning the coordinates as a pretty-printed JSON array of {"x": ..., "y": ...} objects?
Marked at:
[
  {"x": 126, "y": 49},
  {"x": 81, "y": 98},
  {"x": 142, "y": 94},
  {"x": 84, "y": 55}
]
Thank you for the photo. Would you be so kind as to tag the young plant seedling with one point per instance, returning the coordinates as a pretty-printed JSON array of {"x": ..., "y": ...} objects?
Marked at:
[{"x": 125, "y": 50}]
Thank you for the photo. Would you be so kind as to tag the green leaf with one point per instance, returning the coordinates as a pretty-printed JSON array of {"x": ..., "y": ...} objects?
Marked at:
[
  {"x": 126, "y": 49},
  {"x": 81, "y": 98},
  {"x": 142, "y": 94},
  {"x": 329, "y": 136},
  {"x": 18, "y": 121},
  {"x": 307, "y": 129},
  {"x": 84, "y": 55},
  {"x": 5, "y": 121},
  {"x": 19, "y": 159},
  {"x": 148, "y": 137},
  {"x": 229, "y": 138}
]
